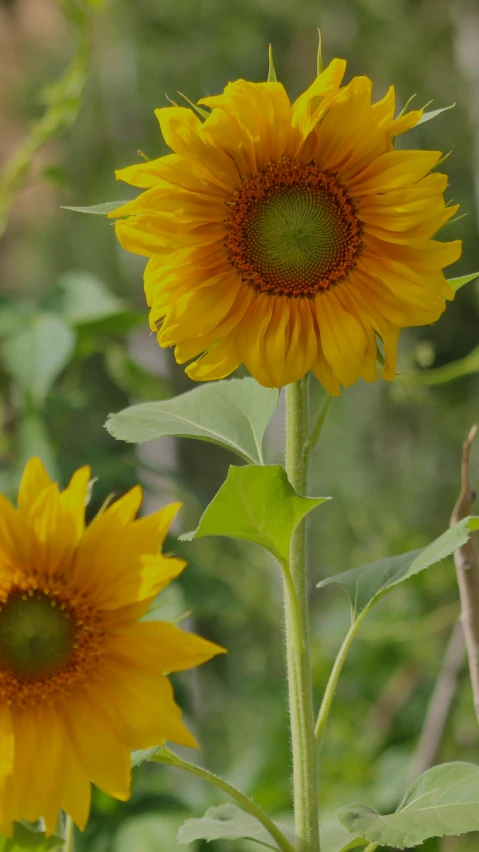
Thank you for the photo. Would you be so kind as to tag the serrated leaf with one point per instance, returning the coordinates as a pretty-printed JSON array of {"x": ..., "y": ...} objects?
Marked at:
[
  {"x": 226, "y": 822},
  {"x": 37, "y": 354},
  {"x": 444, "y": 801},
  {"x": 24, "y": 839},
  {"x": 97, "y": 209},
  {"x": 368, "y": 583},
  {"x": 457, "y": 283},
  {"x": 427, "y": 116},
  {"x": 233, "y": 413},
  {"x": 256, "y": 503}
]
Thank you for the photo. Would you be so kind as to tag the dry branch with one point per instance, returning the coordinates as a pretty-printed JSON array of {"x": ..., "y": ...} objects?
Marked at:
[{"x": 467, "y": 569}]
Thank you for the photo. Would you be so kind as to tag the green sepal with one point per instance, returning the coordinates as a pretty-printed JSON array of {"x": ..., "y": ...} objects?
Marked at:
[
  {"x": 272, "y": 78},
  {"x": 97, "y": 209}
]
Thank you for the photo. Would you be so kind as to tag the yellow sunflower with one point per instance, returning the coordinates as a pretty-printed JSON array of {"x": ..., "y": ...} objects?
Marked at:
[
  {"x": 289, "y": 236},
  {"x": 82, "y": 682}
]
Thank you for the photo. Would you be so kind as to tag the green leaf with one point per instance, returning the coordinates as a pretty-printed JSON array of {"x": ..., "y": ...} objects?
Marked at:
[
  {"x": 37, "y": 354},
  {"x": 25, "y": 838},
  {"x": 97, "y": 209},
  {"x": 256, "y": 503},
  {"x": 233, "y": 413},
  {"x": 225, "y": 822},
  {"x": 427, "y": 116},
  {"x": 444, "y": 801},
  {"x": 85, "y": 299},
  {"x": 457, "y": 283},
  {"x": 335, "y": 838},
  {"x": 366, "y": 584}
]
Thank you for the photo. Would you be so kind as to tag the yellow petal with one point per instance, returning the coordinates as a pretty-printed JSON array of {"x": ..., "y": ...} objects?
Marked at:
[
  {"x": 103, "y": 758},
  {"x": 343, "y": 339},
  {"x": 160, "y": 647},
  {"x": 147, "y": 706},
  {"x": 326, "y": 84},
  {"x": 34, "y": 480}
]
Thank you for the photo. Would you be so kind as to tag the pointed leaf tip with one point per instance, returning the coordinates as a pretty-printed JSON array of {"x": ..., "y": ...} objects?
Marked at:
[
  {"x": 257, "y": 503},
  {"x": 457, "y": 283},
  {"x": 272, "y": 78},
  {"x": 319, "y": 61}
]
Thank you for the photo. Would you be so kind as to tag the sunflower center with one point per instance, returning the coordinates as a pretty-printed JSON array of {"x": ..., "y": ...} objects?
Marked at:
[
  {"x": 292, "y": 230},
  {"x": 51, "y": 639},
  {"x": 36, "y": 634}
]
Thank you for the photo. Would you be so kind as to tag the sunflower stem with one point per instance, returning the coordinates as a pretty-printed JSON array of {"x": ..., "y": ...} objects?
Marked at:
[
  {"x": 164, "y": 755},
  {"x": 69, "y": 842},
  {"x": 305, "y": 772}
]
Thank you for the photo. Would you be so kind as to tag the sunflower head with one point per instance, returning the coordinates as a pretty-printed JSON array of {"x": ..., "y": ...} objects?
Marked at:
[
  {"x": 82, "y": 679},
  {"x": 289, "y": 237}
]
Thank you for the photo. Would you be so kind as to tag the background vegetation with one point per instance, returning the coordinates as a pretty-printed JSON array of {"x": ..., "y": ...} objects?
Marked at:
[{"x": 79, "y": 84}]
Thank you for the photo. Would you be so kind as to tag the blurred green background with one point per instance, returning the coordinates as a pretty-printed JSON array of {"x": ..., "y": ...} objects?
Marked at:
[{"x": 74, "y": 346}]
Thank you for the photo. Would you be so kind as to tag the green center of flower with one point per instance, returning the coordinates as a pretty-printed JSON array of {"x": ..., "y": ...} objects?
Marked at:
[
  {"x": 37, "y": 634},
  {"x": 292, "y": 230}
]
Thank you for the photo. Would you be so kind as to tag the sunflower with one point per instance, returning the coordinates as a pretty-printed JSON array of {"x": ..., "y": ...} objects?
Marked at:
[
  {"x": 82, "y": 681},
  {"x": 289, "y": 237}
]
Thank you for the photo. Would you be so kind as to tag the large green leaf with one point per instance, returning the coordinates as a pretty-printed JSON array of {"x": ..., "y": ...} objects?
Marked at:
[
  {"x": 368, "y": 583},
  {"x": 233, "y": 413},
  {"x": 442, "y": 802},
  {"x": 37, "y": 354},
  {"x": 24, "y": 839},
  {"x": 256, "y": 503},
  {"x": 225, "y": 822}
]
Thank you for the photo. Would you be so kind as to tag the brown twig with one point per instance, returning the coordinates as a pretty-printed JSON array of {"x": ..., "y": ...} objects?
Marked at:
[{"x": 467, "y": 569}]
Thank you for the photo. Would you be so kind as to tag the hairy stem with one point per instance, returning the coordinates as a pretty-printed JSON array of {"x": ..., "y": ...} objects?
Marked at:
[
  {"x": 305, "y": 772},
  {"x": 164, "y": 755}
]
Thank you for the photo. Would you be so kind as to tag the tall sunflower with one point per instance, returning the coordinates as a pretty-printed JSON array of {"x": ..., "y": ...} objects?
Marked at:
[
  {"x": 288, "y": 236},
  {"x": 82, "y": 681}
]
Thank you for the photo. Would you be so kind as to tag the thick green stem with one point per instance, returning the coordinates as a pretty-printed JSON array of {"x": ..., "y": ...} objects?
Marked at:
[
  {"x": 69, "y": 843},
  {"x": 305, "y": 772},
  {"x": 371, "y": 847},
  {"x": 334, "y": 677},
  {"x": 164, "y": 755}
]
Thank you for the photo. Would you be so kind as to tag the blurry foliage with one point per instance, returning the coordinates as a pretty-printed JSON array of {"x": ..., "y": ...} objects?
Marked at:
[{"x": 74, "y": 347}]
